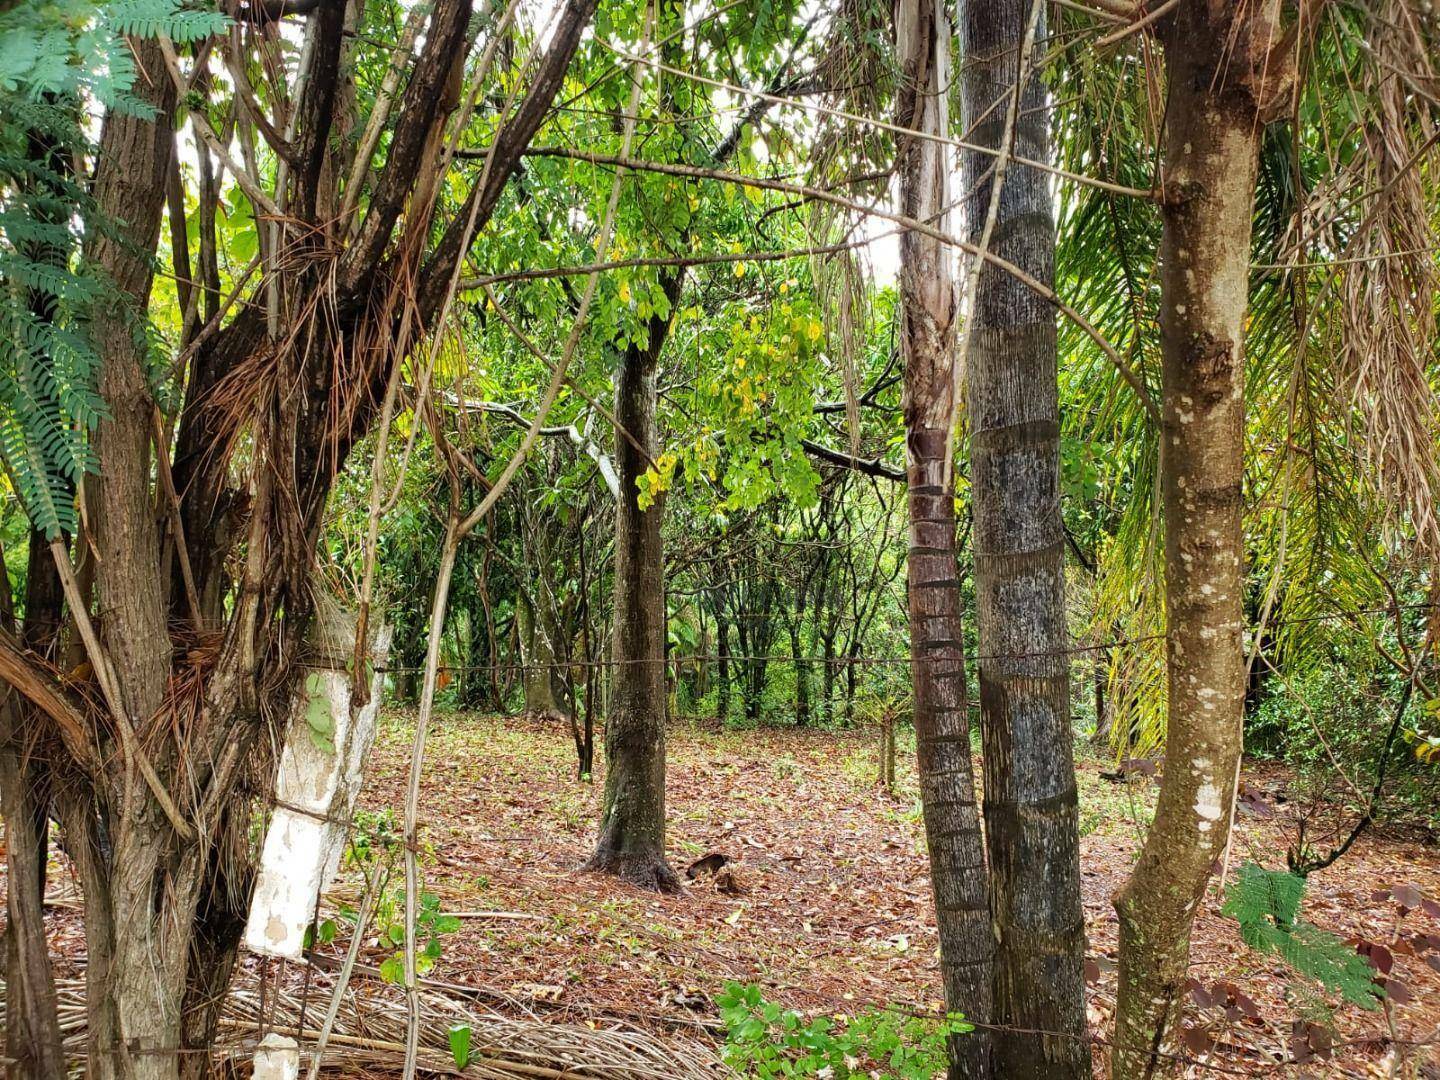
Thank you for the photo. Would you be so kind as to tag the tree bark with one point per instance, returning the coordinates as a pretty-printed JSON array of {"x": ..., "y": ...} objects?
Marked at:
[
  {"x": 632, "y": 823},
  {"x": 1220, "y": 58},
  {"x": 802, "y": 672},
  {"x": 1030, "y": 807},
  {"x": 928, "y": 310},
  {"x": 140, "y": 893}
]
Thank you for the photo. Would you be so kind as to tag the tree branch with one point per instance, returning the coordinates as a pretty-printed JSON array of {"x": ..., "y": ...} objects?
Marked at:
[
  {"x": 20, "y": 672},
  {"x": 512, "y": 141},
  {"x": 868, "y": 466}
]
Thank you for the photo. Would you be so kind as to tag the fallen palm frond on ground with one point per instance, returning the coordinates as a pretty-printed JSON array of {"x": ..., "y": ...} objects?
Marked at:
[{"x": 369, "y": 1035}]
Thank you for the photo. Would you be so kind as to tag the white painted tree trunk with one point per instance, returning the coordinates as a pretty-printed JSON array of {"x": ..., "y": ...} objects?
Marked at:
[
  {"x": 277, "y": 1058},
  {"x": 314, "y": 795}
]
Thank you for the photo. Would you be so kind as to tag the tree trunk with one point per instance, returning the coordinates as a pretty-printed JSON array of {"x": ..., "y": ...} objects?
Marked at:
[
  {"x": 802, "y": 677},
  {"x": 797, "y": 653},
  {"x": 827, "y": 682},
  {"x": 928, "y": 308},
  {"x": 722, "y": 667},
  {"x": 1030, "y": 807},
  {"x": 32, "y": 1028},
  {"x": 140, "y": 893},
  {"x": 1219, "y": 62},
  {"x": 632, "y": 824},
  {"x": 538, "y": 657}
]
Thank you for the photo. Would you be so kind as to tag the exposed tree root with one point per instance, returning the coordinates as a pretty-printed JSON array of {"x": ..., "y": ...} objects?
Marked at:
[{"x": 644, "y": 869}]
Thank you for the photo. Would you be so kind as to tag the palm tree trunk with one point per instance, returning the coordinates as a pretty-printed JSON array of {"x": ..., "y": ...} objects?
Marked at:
[
  {"x": 1030, "y": 808},
  {"x": 928, "y": 305},
  {"x": 1220, "y": 59}
]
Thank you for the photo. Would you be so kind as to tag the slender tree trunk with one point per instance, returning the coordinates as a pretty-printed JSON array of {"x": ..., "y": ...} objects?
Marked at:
[
  {"x": 1219, "y": 59},
  {"x": 722, "y": 667},
  {"x": 632, "y": 824},
  {"x": 141, "y": 912},
  {"x": 928, "y": 309},
  {"x": 32, "y": 1028},
  {"x": 538, "y": 656},
  {"x": 802, "y": 675},
  {"x": 803, "y": 710},
  {"x": 1099, "y": 677},
  {"x": 827, "y": 682},
  {"x": 852, "y": 666},
  {"x": 1030, "y": 808}
]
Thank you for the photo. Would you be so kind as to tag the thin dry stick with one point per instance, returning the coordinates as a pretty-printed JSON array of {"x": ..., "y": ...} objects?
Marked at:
[
  {"x": 1135, "y": 27},
  {"x": 882, "y": 125},
  {"x": 342, "y": 979},
  {"x": 379, "y": 114},
  {"x": 282, "y": 182},
  {"x": 412, "y": 794},
  {"x": 247, "y": 181},
  {"x": 455, "y": 531},
  {"x": 130, "y": 745},
  {"x": 714, "y": 258}
]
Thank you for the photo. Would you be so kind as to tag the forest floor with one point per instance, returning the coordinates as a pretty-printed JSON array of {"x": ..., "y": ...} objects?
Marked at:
[{"x": 833, "y": 911}]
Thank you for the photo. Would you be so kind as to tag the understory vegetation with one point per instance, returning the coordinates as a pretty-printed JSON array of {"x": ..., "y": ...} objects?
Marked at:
[{"x": 906, "y": 529}]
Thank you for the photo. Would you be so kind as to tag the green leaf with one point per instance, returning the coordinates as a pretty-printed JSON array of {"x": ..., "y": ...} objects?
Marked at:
[
  {"x": 460, "y": 1044},
  {"x": 392, "y": 970}
]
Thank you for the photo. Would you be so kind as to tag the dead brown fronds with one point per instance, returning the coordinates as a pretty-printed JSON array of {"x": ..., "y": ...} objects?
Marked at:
[
  {"x": 370, "y": 1033},
  {"x": 1387, "y": 262}
]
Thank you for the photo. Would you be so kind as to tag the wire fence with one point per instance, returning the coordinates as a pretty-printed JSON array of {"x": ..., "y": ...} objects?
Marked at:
[{"x": 677, "y": 657}]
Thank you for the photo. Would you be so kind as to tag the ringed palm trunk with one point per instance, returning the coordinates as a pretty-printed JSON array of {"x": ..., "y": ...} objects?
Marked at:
[
  {"x": 1030, "y": 808},
  {"x": 928, "y": 305},
  {"x": 632, "y": 824},
  {"x": 1220, "y": 58}
]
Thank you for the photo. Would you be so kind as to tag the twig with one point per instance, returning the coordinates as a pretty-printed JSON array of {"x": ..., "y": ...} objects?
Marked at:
[
  {"x": 456, "y": 531},
  {"x": 1135, "y": 27},
  {"x": 696, "y": 172}
]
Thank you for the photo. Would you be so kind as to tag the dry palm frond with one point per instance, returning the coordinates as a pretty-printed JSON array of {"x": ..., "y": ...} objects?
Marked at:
[
  {"x": 1389, "y": 279},
  {"x": 370, "y": 1033}
]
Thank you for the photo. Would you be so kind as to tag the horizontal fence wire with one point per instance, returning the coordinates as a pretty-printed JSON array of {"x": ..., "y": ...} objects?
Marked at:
[{"x": 859, "y": 661}]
